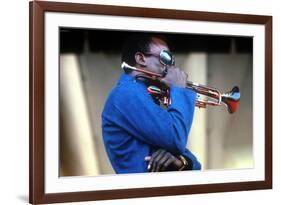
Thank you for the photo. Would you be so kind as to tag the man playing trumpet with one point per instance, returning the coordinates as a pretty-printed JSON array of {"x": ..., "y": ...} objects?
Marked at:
[{"x": 139, "y": 134}]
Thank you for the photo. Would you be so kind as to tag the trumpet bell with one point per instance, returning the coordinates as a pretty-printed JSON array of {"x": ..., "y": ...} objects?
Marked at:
[{"x": 232, "y": 99}]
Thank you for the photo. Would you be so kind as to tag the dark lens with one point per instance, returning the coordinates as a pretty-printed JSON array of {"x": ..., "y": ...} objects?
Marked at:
[{"x": 166, "y": 58}]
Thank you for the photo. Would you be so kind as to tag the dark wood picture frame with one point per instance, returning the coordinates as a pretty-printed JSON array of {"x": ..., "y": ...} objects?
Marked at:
[{"x": 37, "y": 95}]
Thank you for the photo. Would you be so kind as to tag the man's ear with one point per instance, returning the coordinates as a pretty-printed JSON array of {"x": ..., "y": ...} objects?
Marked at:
[{"x": 140, "y": 59}]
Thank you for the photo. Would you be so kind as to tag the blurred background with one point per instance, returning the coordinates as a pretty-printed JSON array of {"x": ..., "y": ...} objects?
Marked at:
[{"x": 90, "y": 66}]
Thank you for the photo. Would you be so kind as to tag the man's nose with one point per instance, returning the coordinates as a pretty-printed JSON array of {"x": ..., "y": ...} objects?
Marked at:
[{"x": 172, "y": 67}]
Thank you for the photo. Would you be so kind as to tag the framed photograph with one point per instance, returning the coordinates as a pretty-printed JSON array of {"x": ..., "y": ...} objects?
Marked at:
[{"x": 130, "y": 102}]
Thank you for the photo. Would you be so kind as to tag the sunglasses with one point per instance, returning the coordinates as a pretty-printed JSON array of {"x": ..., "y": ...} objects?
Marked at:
[{"x": 166, "y": 57}]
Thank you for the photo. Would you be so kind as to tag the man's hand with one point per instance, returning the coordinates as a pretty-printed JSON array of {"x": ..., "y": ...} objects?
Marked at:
[
  {"x": 161, "y": 160},
  {"x": 175, "y": 77}
]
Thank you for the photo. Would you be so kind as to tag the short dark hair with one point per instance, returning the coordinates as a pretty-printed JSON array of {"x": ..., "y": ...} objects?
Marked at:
[{"x": 137, "y": 43}]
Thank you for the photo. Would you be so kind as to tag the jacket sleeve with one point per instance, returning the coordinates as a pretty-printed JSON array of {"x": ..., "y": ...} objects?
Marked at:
[{"x": 147, "y": 121}]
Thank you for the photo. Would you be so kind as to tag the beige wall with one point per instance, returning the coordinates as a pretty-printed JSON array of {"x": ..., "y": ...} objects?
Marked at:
[{"x": 230, "y": 136}]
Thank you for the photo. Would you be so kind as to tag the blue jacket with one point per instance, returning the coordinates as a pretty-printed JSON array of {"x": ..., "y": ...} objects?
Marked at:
[{"x": 134, "y": 126}]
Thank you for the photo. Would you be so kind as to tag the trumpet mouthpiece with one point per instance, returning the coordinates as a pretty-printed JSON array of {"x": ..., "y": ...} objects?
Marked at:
[{"x": 126, "y": 67}]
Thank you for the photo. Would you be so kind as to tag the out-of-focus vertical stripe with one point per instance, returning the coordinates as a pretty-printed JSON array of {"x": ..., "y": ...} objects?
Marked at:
[
  {"x": 77, "y": 146},
  {"x": 195, "y": 65}
]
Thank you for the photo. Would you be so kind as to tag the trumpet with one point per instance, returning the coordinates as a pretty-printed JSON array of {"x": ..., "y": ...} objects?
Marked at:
[{"x": 230, "y": 99}]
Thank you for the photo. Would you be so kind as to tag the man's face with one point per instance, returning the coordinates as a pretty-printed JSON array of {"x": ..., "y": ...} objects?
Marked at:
[{"x": 153, "y": 63}]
